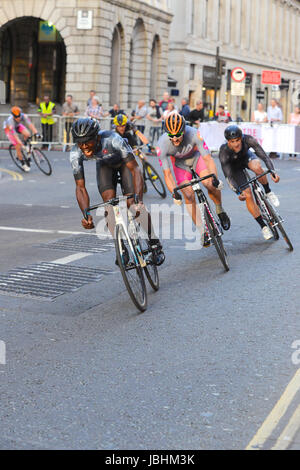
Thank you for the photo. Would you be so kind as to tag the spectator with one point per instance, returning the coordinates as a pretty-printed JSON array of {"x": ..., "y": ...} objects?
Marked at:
[
  {"x": 92, "y": 94},
  {"x": 259, "y": 116},
  {"x": 95, "y": 110},
  {"x": 197, "y": 115},
  {"x": 170, "y": 108},
  {"x": 113, "y": 112},
  {"x": 46, "y": 110},
  {"x": 155, "y": 116},
  {"x": 274, "y": 113},
  {"x": 70, "y": 110},
  {"x": 294, "y": 119},
  {"x": 164, "y": 102},
  {"x": 185, "y": 109},
  {"x": 222, "y": 115},
  {"x": 140, "y": 113}
]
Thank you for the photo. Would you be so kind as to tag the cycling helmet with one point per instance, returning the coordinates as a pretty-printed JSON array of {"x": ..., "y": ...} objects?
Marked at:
[
  {"x": 16, "y": 111},
  {"x": 233, "y": 132},
  {"x": 120, "y": 120},
  {"x": 174, "y": 123},
  {"x": 85, "y": 129}
]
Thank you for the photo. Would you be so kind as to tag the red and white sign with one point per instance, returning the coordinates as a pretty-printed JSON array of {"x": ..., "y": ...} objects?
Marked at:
[
  {"x": 238, "y": 74},
  {"x": 271, "y": 77}
]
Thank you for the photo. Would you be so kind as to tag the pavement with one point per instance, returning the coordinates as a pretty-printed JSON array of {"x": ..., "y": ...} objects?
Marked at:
[{"x": 212, "y": 363}]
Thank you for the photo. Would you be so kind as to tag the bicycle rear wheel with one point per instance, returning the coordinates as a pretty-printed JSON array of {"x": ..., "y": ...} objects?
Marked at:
[
  {"x": 42, "y": 161},
  {"x": 131, "y": 271},
  {"x": 14, "y": 157},
  {"x": 151, "y": 270},
  {"x": 155, "y": 180},
  {"x": 277, "y": 221},
  {"x": 216, "y": 238}
]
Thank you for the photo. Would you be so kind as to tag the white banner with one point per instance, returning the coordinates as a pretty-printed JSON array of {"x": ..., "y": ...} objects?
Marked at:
[{"x": 279, "y": 138}]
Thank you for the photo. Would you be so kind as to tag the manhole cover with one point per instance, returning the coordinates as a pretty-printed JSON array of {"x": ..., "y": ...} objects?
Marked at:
[
  {"x": 80, "y": 243},
  {"x": 46, "y": 281}
]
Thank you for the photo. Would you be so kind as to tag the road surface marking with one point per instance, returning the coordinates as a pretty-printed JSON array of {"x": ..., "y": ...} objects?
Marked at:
[
  {"x": 16, "y": 176},
  {"x": 276, "y": 414},
  {"x": 33, "y": 230},
  {"x": 286, "y": 437},
  {"x": 71, "y": 258}
]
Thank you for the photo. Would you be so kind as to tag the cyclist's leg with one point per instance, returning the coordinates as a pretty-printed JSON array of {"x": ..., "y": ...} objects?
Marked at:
[
  {"x": 254, "y": 165},
  {"x": 14, "y": 139},
  {"x": 107, "y": 183}
]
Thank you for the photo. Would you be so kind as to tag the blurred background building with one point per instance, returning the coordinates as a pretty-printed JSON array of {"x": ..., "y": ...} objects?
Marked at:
[{"x": 252, "y": 34}]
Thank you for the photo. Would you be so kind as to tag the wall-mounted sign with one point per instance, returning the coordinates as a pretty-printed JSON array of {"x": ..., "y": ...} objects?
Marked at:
[
  {"x": 271, "y": 77},
  {"x": 238, "y": 88},
  {"x": 85, "y": 19}
]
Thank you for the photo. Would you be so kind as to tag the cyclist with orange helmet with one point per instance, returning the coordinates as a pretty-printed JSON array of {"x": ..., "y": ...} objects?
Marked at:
[
  {"x": 16, "y": 124},
  {"x": 187, "y": 150}
]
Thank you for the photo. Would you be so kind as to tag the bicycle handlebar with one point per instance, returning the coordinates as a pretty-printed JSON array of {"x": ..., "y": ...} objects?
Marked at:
[
  {"x": 114, "y": 202},
  {"x": 193, "y": 181},
  {"x": 255, "y": 178}
]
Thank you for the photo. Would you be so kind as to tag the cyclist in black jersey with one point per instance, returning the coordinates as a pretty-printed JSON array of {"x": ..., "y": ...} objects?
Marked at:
[
  {"x": 235, "y": 156},
  {"x": 113, "y": 157}
]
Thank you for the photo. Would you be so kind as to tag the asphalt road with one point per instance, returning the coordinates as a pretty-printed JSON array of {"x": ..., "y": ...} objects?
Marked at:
[{"x": 205, "y": 367}]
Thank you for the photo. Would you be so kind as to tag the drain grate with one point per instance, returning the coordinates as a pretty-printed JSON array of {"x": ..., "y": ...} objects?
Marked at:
[
  {"x": 80, "y": 243},
  {"x": 46, "y": 281}
]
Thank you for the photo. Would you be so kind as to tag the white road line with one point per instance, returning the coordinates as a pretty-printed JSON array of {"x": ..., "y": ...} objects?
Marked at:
[
  {"x": 33, "y": 230},
  {"x": 71, "y": 258}
]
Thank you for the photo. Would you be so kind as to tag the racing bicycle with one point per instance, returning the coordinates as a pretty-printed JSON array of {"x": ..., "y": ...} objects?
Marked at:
[
  {"x": 134, "y": 253},
  {"x": 29, "y": 150},
  {"x": 150, "y": 174},
  {"x": 210, "y": 220},
  {"x": 269, "y": 214}
]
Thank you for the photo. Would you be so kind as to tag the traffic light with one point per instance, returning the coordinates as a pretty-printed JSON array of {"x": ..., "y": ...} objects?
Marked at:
[{"x": 221, "y": 66}]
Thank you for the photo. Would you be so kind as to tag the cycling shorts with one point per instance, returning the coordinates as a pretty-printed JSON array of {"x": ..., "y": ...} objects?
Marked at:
[
  {"x": 11, "y": 135},
  {"x": 183, "y": 168},
  {"x": 107, "y": 178},
  {"x": 237, "y": 173}
]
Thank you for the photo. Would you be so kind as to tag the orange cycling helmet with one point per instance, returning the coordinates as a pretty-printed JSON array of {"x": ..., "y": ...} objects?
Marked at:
[
  {"x": 16, "y": 111},
  {"x": 175, "y": 124}
]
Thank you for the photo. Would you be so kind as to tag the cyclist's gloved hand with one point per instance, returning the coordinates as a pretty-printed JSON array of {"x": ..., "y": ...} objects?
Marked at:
[
  {"x": 88, "y": 224},
  {"x": 275, "y": 177},
  {"x": 149, "y": 148},
  {"x": 218, "y": 184},
  {"x": 177, "y": 199}
]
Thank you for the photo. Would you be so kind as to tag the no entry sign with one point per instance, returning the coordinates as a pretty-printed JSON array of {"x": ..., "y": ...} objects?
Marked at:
[{"x": 238, "y": 74}]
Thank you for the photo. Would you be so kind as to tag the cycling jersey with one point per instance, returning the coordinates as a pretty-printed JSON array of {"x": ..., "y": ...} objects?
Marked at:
[
  {"x": 111, "y": 150},
  {"x": 15, "y": 126},
  {"x": 233, "y": 164}
]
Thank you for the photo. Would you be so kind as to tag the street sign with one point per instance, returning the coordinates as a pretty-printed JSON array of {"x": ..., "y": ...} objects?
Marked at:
[
  {"x": 238, "y": 88},
  {"x": 260, "y": 95},
  {"x": 85, "y": 19},
  {"x": 271, "y": 77},
  {"x": 238, "y": 74}
]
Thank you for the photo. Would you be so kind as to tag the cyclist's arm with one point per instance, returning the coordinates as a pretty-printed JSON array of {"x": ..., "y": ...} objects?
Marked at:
[
  {"x": 259, "y": 151},
  {"x": 142, "y": 137},
  {"x": 170, "y": 182},
  {"x": 137, "y": 177},
  {"x": 227, "y": 170}
]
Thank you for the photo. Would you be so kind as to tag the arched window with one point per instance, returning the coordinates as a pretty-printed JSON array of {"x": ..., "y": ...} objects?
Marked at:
[
  {"x": 155, "y": 53},
  {"x": 115, "y": 73},
  {"x": 138, "y": 64}
]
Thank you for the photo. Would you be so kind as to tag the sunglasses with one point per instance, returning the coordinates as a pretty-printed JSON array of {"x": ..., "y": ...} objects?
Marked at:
[{"x": 172, "y": 136}]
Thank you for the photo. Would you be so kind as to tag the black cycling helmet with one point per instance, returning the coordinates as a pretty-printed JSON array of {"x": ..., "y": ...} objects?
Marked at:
[
  {"x": 84, "y": 130},
  {"x": 233, "y": 132}
]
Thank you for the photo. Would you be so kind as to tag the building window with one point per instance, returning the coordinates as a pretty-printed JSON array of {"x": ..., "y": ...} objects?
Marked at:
[
  {"x": 115, "y": 67},
  {"x": 192, "y": 71}
]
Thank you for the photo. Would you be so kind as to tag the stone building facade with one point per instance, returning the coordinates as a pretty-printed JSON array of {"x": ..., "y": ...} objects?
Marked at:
[
  {"x": 252, "y": 34},
  {"x": 123, "y": 53}
]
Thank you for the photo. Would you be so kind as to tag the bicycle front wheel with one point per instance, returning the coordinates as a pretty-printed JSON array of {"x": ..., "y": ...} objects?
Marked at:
[
  {"x": 155, "y": 180},
  {"x": 130, "y": 268},
  {"x": 42, "y": 161},
  {"x": 150, "y": 269},
  {"x": 278, "y": 224},
  {"x": 14, "y": 157},
  {"x": 216, "y": 238}
]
